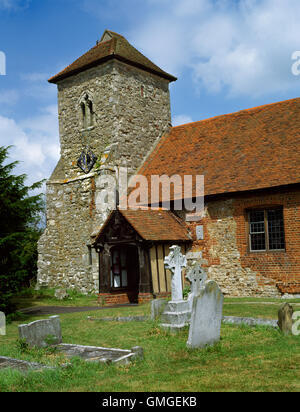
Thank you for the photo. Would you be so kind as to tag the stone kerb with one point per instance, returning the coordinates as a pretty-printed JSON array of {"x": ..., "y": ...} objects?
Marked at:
[
  {"x": 206, "y": 317},
  {"x": 42, "y": 333}
]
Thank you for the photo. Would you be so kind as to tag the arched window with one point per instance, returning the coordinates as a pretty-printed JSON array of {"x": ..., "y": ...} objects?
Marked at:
[
  {"x": 87, "y": 112},
  {"x": 91, "y": 113},
  {"x": 83, "y": 115}
]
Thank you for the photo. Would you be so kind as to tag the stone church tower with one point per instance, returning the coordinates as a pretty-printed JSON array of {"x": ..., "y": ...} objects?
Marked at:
[{"x": 113, "y": 106}]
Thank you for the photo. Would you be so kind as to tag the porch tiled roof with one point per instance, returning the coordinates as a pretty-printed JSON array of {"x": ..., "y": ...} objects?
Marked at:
[
  {"x": 153, "y": 225},
  {"x": 157, "y": 225}
]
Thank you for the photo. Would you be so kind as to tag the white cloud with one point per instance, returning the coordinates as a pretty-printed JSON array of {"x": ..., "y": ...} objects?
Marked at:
[
  {"x": 35, "y": 77},
  {"x": 13, "y": 4},
  {"x": 35, "y": 143},
  {"x": 9, "y": 97},
  {"x": 181, "y": 119},
  {"x": 241, "y": 46},
  {"x": 36, "y": 86}
]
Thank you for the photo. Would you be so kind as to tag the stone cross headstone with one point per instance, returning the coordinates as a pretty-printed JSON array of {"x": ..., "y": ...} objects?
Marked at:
[
  {"x": 175, "y": 261},
  {"x": 2, "y": 324},
  {"x": 206, "y": 317},
  {"x": 197, "y": 277},
  {"x": 285, "y": 318}
]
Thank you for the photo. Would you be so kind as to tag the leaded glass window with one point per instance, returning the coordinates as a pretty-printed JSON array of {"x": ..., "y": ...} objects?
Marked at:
[{"x": 266, "y": 229}]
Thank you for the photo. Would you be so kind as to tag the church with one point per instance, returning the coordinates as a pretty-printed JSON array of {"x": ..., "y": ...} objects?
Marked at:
[{"x": 114, "y": 112}]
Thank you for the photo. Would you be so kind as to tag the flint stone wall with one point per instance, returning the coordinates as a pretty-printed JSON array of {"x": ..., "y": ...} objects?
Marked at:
[{"x": 132, "y": 111}]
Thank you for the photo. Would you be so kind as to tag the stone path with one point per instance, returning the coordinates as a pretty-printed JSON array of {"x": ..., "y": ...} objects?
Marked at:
[{"x": 56, "y": 310}]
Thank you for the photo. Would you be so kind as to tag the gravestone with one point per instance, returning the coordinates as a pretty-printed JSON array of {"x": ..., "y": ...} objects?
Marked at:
[
  {"x": 176, "y": 314},
  {"x": 157, "y": 307},
  {"x": 61, "y": 294},
  {"x": 285, "y": 318},
  {"x": 42, "y": 333},
  {"x": 2, "y": 324},
  {"x": 197, "y": 277},
  {"x": 206, "y": 317},
  {"x": 175, "y": 261}
]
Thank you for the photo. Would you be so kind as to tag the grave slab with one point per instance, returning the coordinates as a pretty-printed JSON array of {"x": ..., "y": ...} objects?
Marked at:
[
  {"x": 99, "y": 354},
  {"x": 21, "y": 365}
]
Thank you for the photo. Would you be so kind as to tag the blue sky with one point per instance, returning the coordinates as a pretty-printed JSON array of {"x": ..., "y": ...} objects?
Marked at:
[{"x": 227, "y": 54}]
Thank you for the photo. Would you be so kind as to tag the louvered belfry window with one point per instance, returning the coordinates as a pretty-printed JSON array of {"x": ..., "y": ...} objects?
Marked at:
[{"x": 266, "y": 229}]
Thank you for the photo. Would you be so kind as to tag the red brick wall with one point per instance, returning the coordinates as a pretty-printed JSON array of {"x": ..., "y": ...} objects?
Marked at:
[
  {"x": 145, "y": 297},
  {"x": 227, "y": 217},
  {"x": 110, "y": 299},
  {"x": 283, "y": 266}
]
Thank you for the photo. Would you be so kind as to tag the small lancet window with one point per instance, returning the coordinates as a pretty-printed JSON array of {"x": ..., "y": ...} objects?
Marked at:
[
  {"x": 87, "y": 112},
  {"x": 91, "y": 113},
  {"x": 83, "y": 115}
]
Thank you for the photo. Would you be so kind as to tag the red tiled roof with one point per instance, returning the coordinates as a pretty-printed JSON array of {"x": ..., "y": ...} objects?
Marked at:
[
  {"x": 153, "y": 225},
  {"x": 117, "y": 47},
  {"x": 251, "y": 149}
]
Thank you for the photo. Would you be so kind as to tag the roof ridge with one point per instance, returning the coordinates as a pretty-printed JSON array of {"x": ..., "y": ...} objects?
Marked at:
[
  {"x": 249, "y": 150},
  {"x": 116, "y": 47},
  {"x": 114, "y": 33},
  {"x": 71, "y": 64},
  {"x": 242, "y": 111}
]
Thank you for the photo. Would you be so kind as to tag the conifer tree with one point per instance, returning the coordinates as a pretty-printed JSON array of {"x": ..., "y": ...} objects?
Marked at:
[{"x": 19, "y": 231}]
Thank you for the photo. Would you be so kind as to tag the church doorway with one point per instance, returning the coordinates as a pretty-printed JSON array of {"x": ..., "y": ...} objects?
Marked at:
[{"x": 125, "y": 273}]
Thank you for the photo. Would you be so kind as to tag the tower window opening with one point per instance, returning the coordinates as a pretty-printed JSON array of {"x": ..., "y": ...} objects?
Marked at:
[{"x": 87, "y": 112}]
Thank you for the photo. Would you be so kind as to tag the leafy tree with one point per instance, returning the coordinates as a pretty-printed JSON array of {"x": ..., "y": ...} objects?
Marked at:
[{"x": 19, "y": 231}]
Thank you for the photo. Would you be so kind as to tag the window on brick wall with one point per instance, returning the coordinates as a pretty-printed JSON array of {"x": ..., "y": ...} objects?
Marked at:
[{"x": 266, "y": 229}]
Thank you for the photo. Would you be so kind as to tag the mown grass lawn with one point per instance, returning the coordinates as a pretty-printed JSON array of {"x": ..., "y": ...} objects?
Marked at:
[
  {"x": 45, "y": 297},
  {"x": 246, "y": 359}
]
